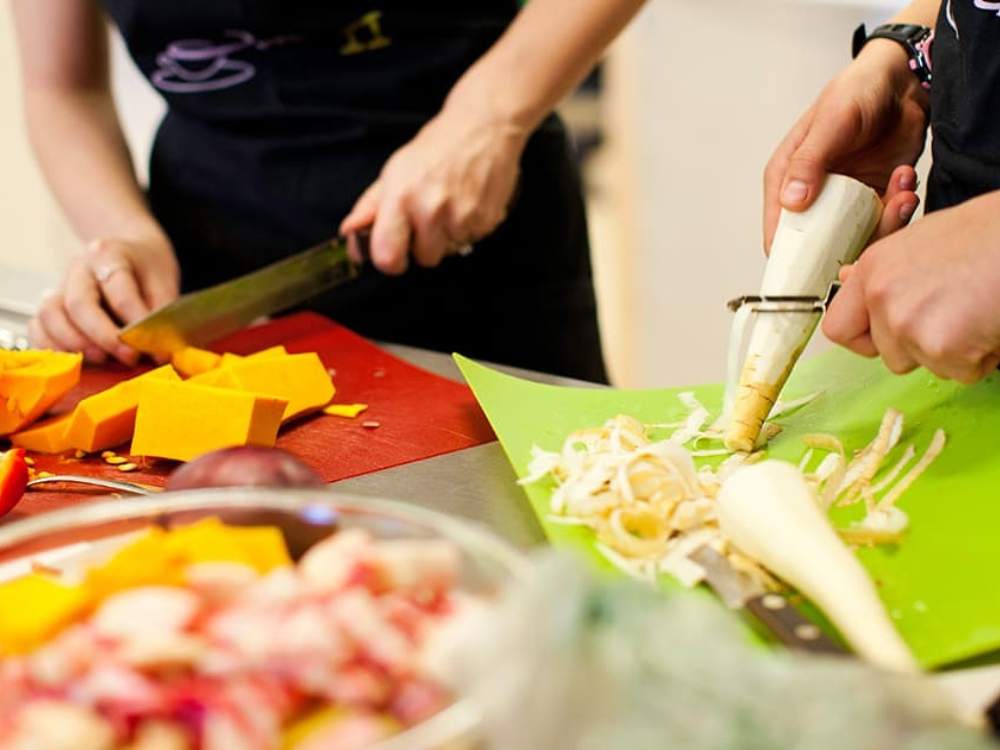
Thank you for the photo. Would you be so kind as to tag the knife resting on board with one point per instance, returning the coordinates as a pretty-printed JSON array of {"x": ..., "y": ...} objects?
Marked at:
[{"x": 771, "y": 609}]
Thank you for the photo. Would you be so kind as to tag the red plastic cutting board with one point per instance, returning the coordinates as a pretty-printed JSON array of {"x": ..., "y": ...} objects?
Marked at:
[{"x": 419, "y": 414}]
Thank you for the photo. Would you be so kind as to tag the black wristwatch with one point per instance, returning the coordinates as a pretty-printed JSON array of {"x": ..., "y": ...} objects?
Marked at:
[{"x": 915, "y": 39}]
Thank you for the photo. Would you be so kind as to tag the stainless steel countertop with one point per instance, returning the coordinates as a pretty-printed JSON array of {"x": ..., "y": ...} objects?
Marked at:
[{"x": 476, "y": 483}]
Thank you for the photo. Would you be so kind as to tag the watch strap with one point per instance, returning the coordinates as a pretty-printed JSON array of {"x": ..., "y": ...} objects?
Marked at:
[{"x": 915, "y": 39}]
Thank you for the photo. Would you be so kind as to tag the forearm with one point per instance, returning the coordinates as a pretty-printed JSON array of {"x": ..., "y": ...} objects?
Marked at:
[
  {"x": 71, "y": 118},
  {"x": 81, "y": 149},
  {"x": 544, "y": 54}
]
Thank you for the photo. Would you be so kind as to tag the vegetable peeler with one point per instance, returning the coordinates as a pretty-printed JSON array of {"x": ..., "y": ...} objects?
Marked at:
[{"x": 804, "y": 303}]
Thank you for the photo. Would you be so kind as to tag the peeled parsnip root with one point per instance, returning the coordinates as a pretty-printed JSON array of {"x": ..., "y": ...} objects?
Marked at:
[
  {"x": 767, "y": 511},
  {"x": 807, "y": 252}
]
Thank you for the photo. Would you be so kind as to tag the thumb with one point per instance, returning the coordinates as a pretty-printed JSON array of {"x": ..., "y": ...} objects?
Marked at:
[
  {"x": 846, "y": 321},
  {"x": 361, "y": 217},
  {"x": 826, "y": 144},
  {"x": 795, "y": 176}
]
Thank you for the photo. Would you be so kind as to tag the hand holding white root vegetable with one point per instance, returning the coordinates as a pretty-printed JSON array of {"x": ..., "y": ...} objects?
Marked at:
[{"x": 870, "y": 123}]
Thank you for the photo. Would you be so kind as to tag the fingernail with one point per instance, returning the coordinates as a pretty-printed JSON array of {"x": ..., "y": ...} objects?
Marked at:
[
  {"x": 795, "y": 191},
  {"x": 906, "y": 211},
  {"x": 908, "y": 181}
]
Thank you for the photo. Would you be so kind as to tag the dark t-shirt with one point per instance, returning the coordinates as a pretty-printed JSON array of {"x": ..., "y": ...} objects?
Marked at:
[
  {"x": 281, "y": 112},
  {"x": 965, "y": 102}
]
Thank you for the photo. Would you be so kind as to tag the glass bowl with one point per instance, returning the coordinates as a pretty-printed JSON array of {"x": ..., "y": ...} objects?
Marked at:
[{"x": 74, "y": 536}]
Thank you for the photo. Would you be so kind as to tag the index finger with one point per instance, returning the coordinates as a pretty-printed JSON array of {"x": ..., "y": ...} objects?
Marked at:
[
  {"x": 846, "y": 321},
  {"x": 390, "y": 238}
]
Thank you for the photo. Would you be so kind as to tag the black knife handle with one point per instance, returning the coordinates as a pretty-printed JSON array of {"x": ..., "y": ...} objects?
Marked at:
[{"x": 790, "y": 626}]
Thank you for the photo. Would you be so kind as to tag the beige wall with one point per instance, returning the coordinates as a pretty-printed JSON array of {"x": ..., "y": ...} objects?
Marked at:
[{"x": 33, "y": 236}]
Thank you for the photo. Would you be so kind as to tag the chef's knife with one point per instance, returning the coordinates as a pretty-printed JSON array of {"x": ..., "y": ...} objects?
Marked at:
[
  {"x": 772, "y": 609},
  {"x": 200, "y": 317}
]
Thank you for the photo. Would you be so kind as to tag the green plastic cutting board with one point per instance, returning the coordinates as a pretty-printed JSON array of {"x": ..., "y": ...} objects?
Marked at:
[{"x": 939, "y": 584}]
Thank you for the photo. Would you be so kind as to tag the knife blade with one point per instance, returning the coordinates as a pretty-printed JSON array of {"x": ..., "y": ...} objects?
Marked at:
[
  {"x": 774, "y": 610},
  {"x": 200, "y": 317}
]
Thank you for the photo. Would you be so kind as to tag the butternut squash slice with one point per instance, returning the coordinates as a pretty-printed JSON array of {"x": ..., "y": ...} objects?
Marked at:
[
  {"x": 193, "y": 361},
  {"x": 35, "y": 607},
  {"x": 45, "y": 437},
  {"x": 262, "y": 548},
  {"x": 31, "y": 382},
  {"x": 182, "y": 420},
  {"x": 349, "y": 411},
  {"x": 107, "y": 418},
  {"x": 216, "y": 374},
  {"x": 272, "y": 352},
  {"x": 301, "y": 379}
]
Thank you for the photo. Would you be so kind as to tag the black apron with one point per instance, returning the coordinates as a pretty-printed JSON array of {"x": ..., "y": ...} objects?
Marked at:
[
  {"x": 281, "y": 112},
  {"x": 965, "y": 102}
]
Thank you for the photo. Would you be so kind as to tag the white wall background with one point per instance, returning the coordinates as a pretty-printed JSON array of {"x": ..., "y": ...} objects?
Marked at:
[
  {"x": 30, "y": 234},
  {"x": 699, "y": 93}
]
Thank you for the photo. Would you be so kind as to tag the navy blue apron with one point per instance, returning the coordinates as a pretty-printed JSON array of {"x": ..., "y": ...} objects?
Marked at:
[
  {"x": 281, "y": 112},
  {"x": 965, "y": 102}
]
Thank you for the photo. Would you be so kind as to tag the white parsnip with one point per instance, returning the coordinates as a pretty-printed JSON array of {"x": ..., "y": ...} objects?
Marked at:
[
  {"x": 767, "y": 511},
  {"x": 807, "y": 252}
]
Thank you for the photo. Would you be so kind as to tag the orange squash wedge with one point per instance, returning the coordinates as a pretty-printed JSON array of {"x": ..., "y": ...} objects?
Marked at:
[
  {"x": 193, "y": 361},
  {"x": 182, "y": 420},
  {"x": 35, "y": 608},
  {"x": 107, "y": 418},
  {"x": 45, "y": 437},
  {"x": 31, "y": 382},
  {"x": 301, "y": 379}
]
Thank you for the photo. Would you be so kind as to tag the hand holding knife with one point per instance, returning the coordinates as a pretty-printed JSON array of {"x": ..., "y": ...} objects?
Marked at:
[{"x": 197, "y": 318}]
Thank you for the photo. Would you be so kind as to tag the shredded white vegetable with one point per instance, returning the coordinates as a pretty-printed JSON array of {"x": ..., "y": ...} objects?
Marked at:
[{"x": 650, "y": 507}]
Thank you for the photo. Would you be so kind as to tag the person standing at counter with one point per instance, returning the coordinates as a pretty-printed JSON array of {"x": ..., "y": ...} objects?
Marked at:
[
  {"x": 279, "y": 116},
  {"x": 927, "y": 293}
]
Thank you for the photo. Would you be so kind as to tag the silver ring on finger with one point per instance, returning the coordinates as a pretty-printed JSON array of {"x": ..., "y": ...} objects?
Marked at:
[
  {"x": 464, "y": 250},
  {"x": 103, "y": 273}
]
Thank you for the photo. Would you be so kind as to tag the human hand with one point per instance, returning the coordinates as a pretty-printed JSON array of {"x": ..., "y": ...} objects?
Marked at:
[
  {"x": 869, "y": 123},
  {"x": 447, "y": 188},
  {"x": 928, "y": 295},
  {"x": 111, "y": 283}
]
